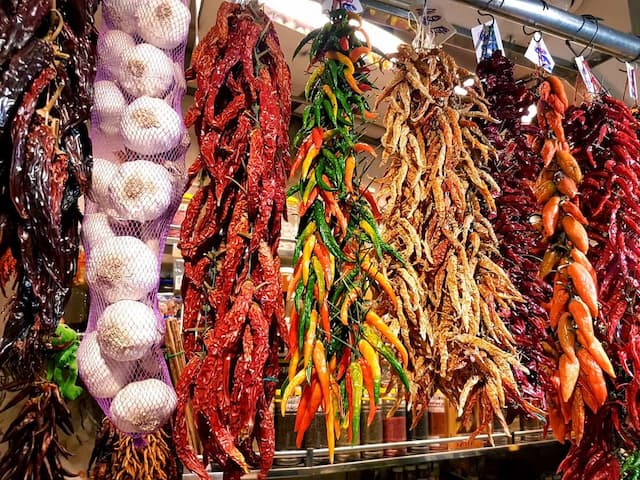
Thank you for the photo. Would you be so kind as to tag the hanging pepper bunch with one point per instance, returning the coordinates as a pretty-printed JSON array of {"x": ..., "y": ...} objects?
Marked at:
[
  {"x": 335, "y": 338},
  {"x": 437, "y": 196},
  {"x": 605, "y": 142},
  {"x": 515, "y": 169},
  {"x": 233, "y": 306},
  {"x": 579, "y": 382},
  {"x": 47, "y": 65}
]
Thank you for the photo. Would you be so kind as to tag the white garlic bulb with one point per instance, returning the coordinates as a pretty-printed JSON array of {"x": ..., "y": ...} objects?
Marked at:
[
  {"x": 145, "y": 70},
  {"x": 127, "y": 330},
  {"x": 96, "y": 227},
  {"x": 120, "y": 14},
  {"x": 143, "y": 407},
  {"x": 141, "y": 190},
  {"x": 150, "y": 126},
  {"x": 103, "y": 173},
  {"x": 163, "y": 23},
  {"x": 122, "y": 268},
  {"x": 111, "y": 47},
  {"x": 109, "y": 105},
  {"x": 103, "y": 377}
]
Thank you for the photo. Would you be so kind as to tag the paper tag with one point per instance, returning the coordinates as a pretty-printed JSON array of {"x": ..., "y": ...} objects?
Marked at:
[
  {"x": 632, "y": 80},
  {"x": 353, "y": 6},
  {"x": 486, "y": 39},
  {"x": 440, "y": 28},
  {"x": 538, "y": 53},
  {"x": 590, "y": 81}
]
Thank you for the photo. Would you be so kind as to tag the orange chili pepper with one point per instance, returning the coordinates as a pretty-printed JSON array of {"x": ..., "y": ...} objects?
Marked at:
[
  {"x": 349, "y": 168},
  {"x": 295, "y": 278},
  {"x": 325, "y": 321},
  {"x": 572, "y": 209},
  {"x": 557, "y": 424},
  {"x": 317, "y": 136},
  {"x": 569, "y": 165},
  {"x": 544, "y": 191},
  {"x": 577, "y": 414},
  {"x": 582, "y": 259},
  {"x": 364, "y": 147},
  {"x": 320, "y": 364},
  {"x": 303, "y": 207},
  {"x": 381, "y": 280},
  {"x": 302, "y": 152},
  {"x": 566, "y": 185},
  {"x": 584, "y": 286},
  {"x": 566, "y": 336},
  {"x": 368, "y": 196},
  {"x": 357, "y": 52},
  {"x": 309, "y": 339},
  {"x": 569, "y": 369},
  {"x": 345, "y": 360},
  {"x": 558, "y": 303},
  {"x": 293, "y": 361},
  {"x": 309, "y": 414},
  {"x": 368, "y": 384},
  {"x": 374, "y": 320},
  {"x": 550, "y": 216},
  {"x": 594, "y": 376},
  {"x": 549, "y": 262},
  {"x": 581, "y": 315},
  {"x": 557, "y": 87},
  {"x": 352, "y": 296},
  {"x": 331, "y": 201},
  {"x": 576, "y": 233},
  {"x": 600, "y": 356},
  {"x": 548, "y": 151},
  {"x": 303, "y": 405},
  {"x": 587, "y": 394}
]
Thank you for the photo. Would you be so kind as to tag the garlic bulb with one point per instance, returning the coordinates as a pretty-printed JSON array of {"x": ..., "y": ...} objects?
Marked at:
[
  {"x": 145, "y": 70},
  {"x": 120, "y": 14},
  {"x": 103, "y": 377},
  {"x": 164, "y": 23},
  {"x": 122, "y": 268},
  {"x": 96, "y": 227},
  {"x": 150, "y": 126},
  {"x": 127, "y": 330},
  {"x": 141, "y": 190},
  {"x": 143, "y": 407},
  {"x": 111, "y": 47},
  {"x": 103, "y": 173},
  {"x": 109, "y": 105}
]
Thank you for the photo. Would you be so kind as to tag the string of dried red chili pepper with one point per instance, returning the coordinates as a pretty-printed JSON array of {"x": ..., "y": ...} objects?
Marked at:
[{"x": 233, "y": 308}]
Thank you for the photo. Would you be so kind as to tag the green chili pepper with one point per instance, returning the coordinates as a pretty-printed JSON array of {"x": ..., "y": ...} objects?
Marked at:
[
  {"x": 312, "y": 35},
  {"x": 344, "y": 103},
  {"x": 316, "y": 113},
  {"x": 306, "y": 311},
  {"x": 325, "y": 232},
  {"x": 371, "y": 229},
  {"x": 319, "y": 171},
  {"x": 329, "y": 111},
  {"x": 387, "y": 353},
  {"x": 342, "y": 284},
  {"x": 338, "y": 167},
  {"x": 317, "y": 268},
  {"x": 302, "y": 237},
  {"x": 334, "y": 69},
  {"x": 356, "y": 397},
  {"x": 306, "y": 115},
  {"x": 292, "y": 190},
  {"x": 344, "y": 397}
]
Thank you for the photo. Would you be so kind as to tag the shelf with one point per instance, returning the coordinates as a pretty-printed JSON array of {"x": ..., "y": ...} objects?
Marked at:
[{"x": 306, "y": 457}]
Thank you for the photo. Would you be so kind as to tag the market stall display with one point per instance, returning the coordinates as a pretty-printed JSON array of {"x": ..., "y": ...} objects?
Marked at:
[
  {"x": 139, "y": 140},
  {"x": 47, "y": 67},
  {"x": 233, "y": 320},
  {"x": 436, "y": 152},
  {"x": 336, "y": 339}
]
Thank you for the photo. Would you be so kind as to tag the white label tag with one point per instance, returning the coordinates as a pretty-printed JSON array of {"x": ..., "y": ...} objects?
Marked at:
[
  {"x": 590, "y": 81},
  {"x": 632, "y": 80},
  {"x": 438, "y": 25},
  {"x": 486, "y": 39},
  {"x": 539, "y": 54},
  {"x": 353, "y": 6}
]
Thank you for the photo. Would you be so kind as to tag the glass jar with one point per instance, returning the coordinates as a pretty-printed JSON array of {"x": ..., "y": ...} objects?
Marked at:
[
  {"x": 419, "y": 432},
  {"x": 424, "y": 471},
  {"x": 316, "y": 437},
  {"x": 410, "y": 473},
  {"x": 438, "y": 421},
  {"x": 343, "y": 441},
  {"x": 284, "y": 426},
  {"x": 370, "y": 434},
  {"x": 394, "y": 426}
]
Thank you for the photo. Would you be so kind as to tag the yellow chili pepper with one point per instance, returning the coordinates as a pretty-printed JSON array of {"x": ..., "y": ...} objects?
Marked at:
[
  {"x": 306, "y": 163},
  {"x": 293, "y": 363},
  {"x": 373, "y": 320},
  {"x": 332, "y": 98},
  {"x": 309, "y": 339},
  {"x": 308, "y": 189},
  {"x": 381, "y": 280},
  {"x": 320, "y": 364},
  {"x": 349, "y": 70},
  {"x": 314, "y": 75},
  {"x": 371, "y": 356},
  {"x": 291, "y": 387},
  {"x": 306, "y": 257}
]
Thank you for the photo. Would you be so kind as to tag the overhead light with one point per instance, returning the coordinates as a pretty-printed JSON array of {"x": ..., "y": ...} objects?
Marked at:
[
  {"x": 458, "y": 90},
  {"x": 533, "y": 110},
  {"x": 469, "y": 82},
  {"x": 307, "y": 15}
]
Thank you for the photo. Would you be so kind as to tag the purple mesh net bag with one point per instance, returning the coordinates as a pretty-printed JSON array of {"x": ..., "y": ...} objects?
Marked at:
[{"x": 139, "y": 143}]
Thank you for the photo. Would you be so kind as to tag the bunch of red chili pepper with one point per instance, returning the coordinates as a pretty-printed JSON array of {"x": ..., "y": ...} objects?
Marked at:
[
  {"x": 233, "y": 306},
  {"x": 607, "y": 147},
  {"x": 335, "y": 339},
  {"x": 47, "y": 65},
  {"x": 515, "y": 170},
  {"x": 579, "y": 381}
]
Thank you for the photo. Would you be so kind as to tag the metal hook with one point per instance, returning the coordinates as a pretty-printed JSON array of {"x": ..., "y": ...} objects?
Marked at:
[
  {"x": 491, "y": 1},
  {"x": 591, "y": 18},
  {"x": 532, "y": 33},
  {"x": 486, "y": 14}
]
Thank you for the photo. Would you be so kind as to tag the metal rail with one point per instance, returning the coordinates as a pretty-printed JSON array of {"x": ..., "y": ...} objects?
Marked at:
[
  {"x": 546, "y": 18},
  {"x": 309, "y": 458}
]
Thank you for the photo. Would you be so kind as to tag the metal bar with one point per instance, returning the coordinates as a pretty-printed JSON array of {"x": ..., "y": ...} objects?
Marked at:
[{"x": 564, "y": 24}]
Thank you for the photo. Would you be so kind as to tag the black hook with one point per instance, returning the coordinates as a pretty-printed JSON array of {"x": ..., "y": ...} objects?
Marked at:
[
  {"x": 486, "y": 14},
  {"x": 533, "y": 33},
  {"x": 491, "y": 1},
  {"x": 585, "y": 18}
]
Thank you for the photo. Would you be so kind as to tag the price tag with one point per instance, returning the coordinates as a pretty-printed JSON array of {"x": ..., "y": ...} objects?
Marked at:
[
  {"x": 440, "y": 29},
  {"x": 353, "y": 6},
  {"x": 590, "y": 81},
  {"x": 539, "y": 54},
  {"x": 632, "y": 80},
  {"x": 486, "y": 39}
]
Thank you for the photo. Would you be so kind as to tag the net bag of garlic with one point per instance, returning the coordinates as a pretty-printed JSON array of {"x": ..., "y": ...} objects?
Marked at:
[{"x": 139, "y": 146}]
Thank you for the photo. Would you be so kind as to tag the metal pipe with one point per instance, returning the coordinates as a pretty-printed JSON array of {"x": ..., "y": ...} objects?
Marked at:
[{"x": 564, "y": 24}]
